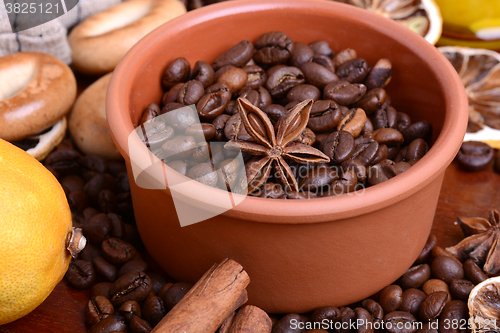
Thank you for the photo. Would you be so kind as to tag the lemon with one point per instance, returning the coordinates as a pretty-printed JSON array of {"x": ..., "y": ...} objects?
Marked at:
[{"x": 35, "y": 231}]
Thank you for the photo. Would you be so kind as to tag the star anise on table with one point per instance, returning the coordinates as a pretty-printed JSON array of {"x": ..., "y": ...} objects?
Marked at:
[
  {"x": 482, "y": 244},
  {"x": 273, "y": 144}
]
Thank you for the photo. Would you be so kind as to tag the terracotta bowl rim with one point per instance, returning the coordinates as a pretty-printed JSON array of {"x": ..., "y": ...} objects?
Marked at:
[{"x": 324, "y": 209}]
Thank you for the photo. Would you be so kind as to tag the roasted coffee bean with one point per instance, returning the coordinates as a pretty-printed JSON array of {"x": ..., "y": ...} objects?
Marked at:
[
  {"x": 401, "y": 156},
  {"x": 426, "y": 251},
  {"x": 290, "y": 324},
  {"x": 235, "y": 130},
  {"x": 343, "y": 92},
  {"x": 380, "y": 75},
  {"x": 98, "y": 308},
  {"x": 219, "y": 123},
  {"x": 177, "y": 71},
  {"x": 80, "y": 274},
  {"x": 321, "y": 47},
  {"x": 98, "y": 183},
  {"x": 118, "y": 251},
  {"x": 446, "y": 269},
  {"x": 237, "y": 56},
  {"x": 301, "y": 53},
  {"x": 174, "y": 294},
  {"x": 105, "y": 269},
  {"x": 72, "y": 183},
  {"x": 130, "y": 309},
  {"x": 153, "y": 310},
  {"x": 385, "y": 118},
  {"x": 365, "y": 151},
  {"x": 138, "y": 325},
  {"x": 307, "y": 137},
  {"x": 460, "y": 289},
  {"x": 212, "y": 105},
  {"x": 78, "y": 201},
  {"x": 134, "y": 286},
  {"x": 64, "y": 161},
  {"x": 474, "y": 155},
  {"x": 347, "y": 316},
  {"x": 317, "y": 177},
  {"x": 392, "y": 137},
  {"x": 179, "y": 166},
  {"x": 90, "y": 252},
  {"x": 374, "y": 308},
  {"x": 358, "y": 168},
  {"x": 339, "y": 146},
  {"x": 180, "y": 147},
  {"x": 97, "y": 228},
  {"x": 393, "y": 151},
  {"x": 318, "y": 75},
  {"x": 438, "y": 251},
  {"x": 204, "y": 173},
  {"x": 135, "y": 265},
  {"x": 329, "y": 313},
  {"x": 325, "y": 116},
  {"x": 204, "y": 73},
  {"x": 353, "y": 122},
  {"x": 390, "y": 298},
  {"x": 109, "y": 324},
  {"x": 150, "y": 113},
  {"x": 228, "y": 172},
  {"x": 156, "y": 134},
  {"x": 107, "y": 201},
  {"x": 94, "y": 163},
  {"x": 280, "y": 79},
  {"x": 416, "y": 150},
  {"x": 345, "y": 184},
  {"x": 101, "y": 289},
  {"x": 191, "y": 92},
  {"x": 454, "y": 317},
  {"x": 303, "y": 92},
  {"x": 222, "y": 70},
  {"x": 418, "y": 130},
  {"x": 403, "y": 122},
  {"x": 364, "y": 321},
  {"x": 234, "y": 78},
  {"x": 432, "y": 305},
  {"x": 372, "y": 100},
  {"x": 415, "y": 276},
  {"x": 273, "y": 48},
  {"x": 256, "y": 76},
  {"x": 434, "y": 285},
  {"x": 382, "y": 154},
  {"x": 353, "y": 71},
  {"x": 412, "y": 299},
  {"x": 168, "y": 97},
  {"x": 381, "y": 172},
  {"x": 473, "y": 272},
  {"x": 343, "y": 56},
  {"x": 265, "y": 98},
  {"x": 201, "y": 153},
  {"x": 400, "y": 322}
]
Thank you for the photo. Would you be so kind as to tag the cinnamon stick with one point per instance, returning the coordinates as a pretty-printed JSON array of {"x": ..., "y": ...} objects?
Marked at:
[
  {"x": 226, "y": 324},
  {"x": 251, "y": 319},
  {"x": 208, "y": 302}
]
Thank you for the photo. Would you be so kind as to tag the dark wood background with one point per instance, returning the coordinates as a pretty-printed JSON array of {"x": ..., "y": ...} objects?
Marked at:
[{"x": 462, "y": 194}]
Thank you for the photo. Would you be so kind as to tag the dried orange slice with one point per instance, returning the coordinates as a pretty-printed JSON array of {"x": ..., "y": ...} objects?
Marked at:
[
  {"x": 421, "y": 16},
  {"x": 484, "y": 306},
  {"x": 479, "y": 70}
]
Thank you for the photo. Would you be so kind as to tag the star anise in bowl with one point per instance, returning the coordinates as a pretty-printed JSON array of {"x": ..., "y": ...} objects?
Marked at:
[
  {"x": 274, "y": 146},
  {"x": 482, "y": 244}
]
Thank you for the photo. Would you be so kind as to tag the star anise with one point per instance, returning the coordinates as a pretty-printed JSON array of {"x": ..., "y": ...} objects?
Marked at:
[
  {"x": 272, "y": 146},
  {"x": 483, "y": 244}
]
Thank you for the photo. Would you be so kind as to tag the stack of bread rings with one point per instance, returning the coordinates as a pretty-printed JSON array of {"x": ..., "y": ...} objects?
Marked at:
[{"x": 37, "y": 91}]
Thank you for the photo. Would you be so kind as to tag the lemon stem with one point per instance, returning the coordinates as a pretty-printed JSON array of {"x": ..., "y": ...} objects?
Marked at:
[{"x": 76, "y": 241}]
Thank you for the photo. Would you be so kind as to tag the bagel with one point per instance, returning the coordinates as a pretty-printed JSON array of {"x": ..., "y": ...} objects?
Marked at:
[
  {"x": 99, "y": 42},
  {"x": 37, "y": 90},
  {"x": 88, "y": 126}
]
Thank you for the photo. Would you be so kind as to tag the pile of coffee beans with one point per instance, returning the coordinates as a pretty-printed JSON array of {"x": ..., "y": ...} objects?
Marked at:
[{"x": 352, "y": 121}]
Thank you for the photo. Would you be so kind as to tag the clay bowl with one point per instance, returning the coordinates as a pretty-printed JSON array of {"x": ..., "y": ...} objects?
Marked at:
[{"x": 299, "y": 254}]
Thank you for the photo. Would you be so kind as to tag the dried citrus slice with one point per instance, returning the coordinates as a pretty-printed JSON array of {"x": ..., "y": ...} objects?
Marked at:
[
  {"x": 479, "y": 70},
  {"x": 484, "y": 306},
  {"x": 421, "y": 16}
]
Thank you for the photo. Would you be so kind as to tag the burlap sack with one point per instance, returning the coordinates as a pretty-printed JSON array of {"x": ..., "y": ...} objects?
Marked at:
[{"x": 50, "y": 37}]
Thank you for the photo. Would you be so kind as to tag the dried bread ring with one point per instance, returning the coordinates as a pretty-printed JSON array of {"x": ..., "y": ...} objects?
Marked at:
[
  {"x": 88, "y": 126},
  {"x": 99, "y": 42},
  {"x": 36, "y": 91}
]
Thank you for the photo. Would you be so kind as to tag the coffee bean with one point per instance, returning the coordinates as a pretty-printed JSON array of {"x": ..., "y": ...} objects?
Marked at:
[
  {"x": 138, "y": 325},
  {"x": 365, "y": 151},
  {"x": 390, "y": 298},
  {"x": 364, "y": 321},
  {"x": 118, "y": 251},
  {"x": 78, "y": 201},
  {"x": 403, "y": 122},
  {"x": 317, "y": 177},
  {"x": 372, "y": 100},
  {"x": 134, "y": 286},
  {"x": 345, "y": 184},
  {"x": 446, "y": 269},
  {"x": 191, "y": 92},
  {"x": 64, "y": 162},
  {"x": 204, "y": 173},
  {"x": 153, "y": 310},
  {"x": 329, "y": 313},
  {"x": 474, "y": 156},
  {"x": 473, "y": 272},
  {"x": 353, "y": 122},
  {"x": 317, "y": 74},
  {"x": 343, "y": 56},
  {"x": 432, "y": 305},
  {"x": 130, "y": 309},
  {"x": 401, "y": 167},
  {"x": 339, "y": 146},
  {"x": 285, "y": 324},
  {"x": 204, "y": 73},
  {"x": 343, "y": 92},
  {"x": 392, "y": 137},
  {"x": 412, "y": 299},
  {"x": 101, "y": 289},
  {"x": 72, "y": 183},
  {"x": 80, "y": 274},
  {"x": 381, "y": 172},
  {"x": 98, "y": 308},
  {"x": 237, "y": 56},
  {"x": 234, "y": 78},
  {"x": 426, "y": 251},
  {"x": 374, "y": 308},
  {"x": 177, "y": 71},
  {"x": 256, "y": 76},
  {"x": 347, "y": 316},
  {"x": 235, "y": 130},
  {"x": 97, "y": 228},
  {"x": 180, "y": 147},
  {"x": 169, "y": 97},
  {"x": 380, "y": 75},
  {"x": 301, "y": 53},
  {"x": 105, "y": 269},
  {"x": 219, "y": 123},
  {"x": 303, "y": 92},
  {"x": 135, "y": 265},
  {"x": 107, "y": 201},
  {"x": 415, "y": 276},
  {"x": 163, "y": 290},
  {"x": 384, "y": 118},
  {"x": 273, "y": 48},
  {"x": 325, "y": 116},
  {"x": 280, "y": 79},
  {"x": 109, "y": 324},
  {"x": 460, "y": 289},
  {"x": 174, "y": 294},
  {"x": 418, "y": 130},
  {"x": 150, "y": 113},
  {"x": 354, "y": 70},
  {"x": 433, "y": 285},
  {"x": 321, "y": 47},
  {"x": 454, "y": 317},
  {"x": 98, "y": 183},
  {"x": 400, "y": 322},
  {"x": 117, "y": 225}
]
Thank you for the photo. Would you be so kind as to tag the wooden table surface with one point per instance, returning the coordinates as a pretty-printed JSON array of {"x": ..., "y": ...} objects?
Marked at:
[{"x": 462, "y": 194}]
